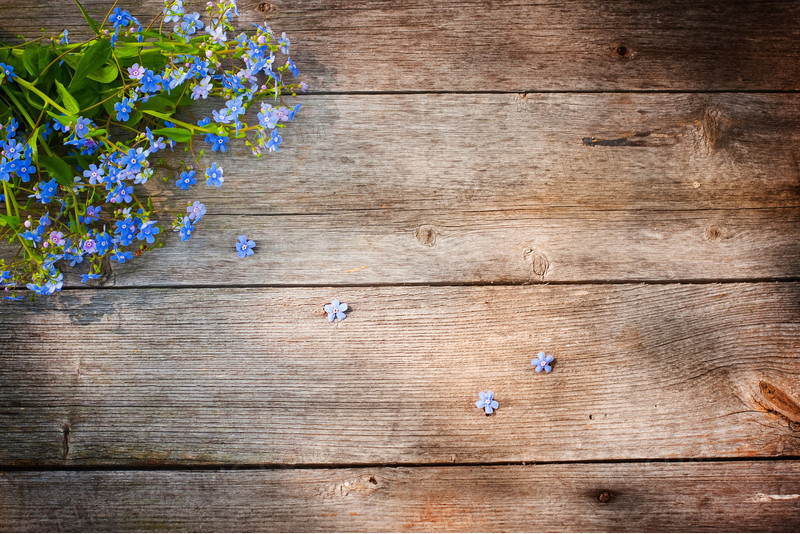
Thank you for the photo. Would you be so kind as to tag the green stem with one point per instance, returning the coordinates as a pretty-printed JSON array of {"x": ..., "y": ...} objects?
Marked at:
[{"x": 32, "y": 88}]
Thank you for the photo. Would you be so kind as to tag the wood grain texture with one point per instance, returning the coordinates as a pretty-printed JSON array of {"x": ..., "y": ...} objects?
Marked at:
[
  {"x": 513, "y": 152},
  {"x": 250, "y": 376},
  {"x": 714, "y": 496},
  {"x": 498, "y": 188},
  {"x": 400, "y": 247},
  {"x": 416, "y": 45}
]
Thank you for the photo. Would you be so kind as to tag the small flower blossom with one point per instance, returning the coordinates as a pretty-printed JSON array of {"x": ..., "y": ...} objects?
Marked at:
[
  {"x": 245, "y": 246},
  {"x": 214, "y": 175},
  {"x": 196, "y": 210},
  {"x": 136, "y": 72},
  {"x": 187, "y": 178},
  {"x": 487, "y": 402},
  {"x": 336, "y": 310},
  {"x": 542, "y": 362}
]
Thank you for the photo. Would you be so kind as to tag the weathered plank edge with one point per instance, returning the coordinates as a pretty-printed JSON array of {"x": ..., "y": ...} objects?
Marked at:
[{"x": 674, "y": 496}]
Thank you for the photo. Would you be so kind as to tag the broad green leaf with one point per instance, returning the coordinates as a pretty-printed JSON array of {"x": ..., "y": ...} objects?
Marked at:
[
  {"x": 92, "y": 24},
  {"x": 105, "y": 74},
  {"x": 96, "y": 54},
  {"x": 70, "y": 103},
  {"x": 158, "y": 103},
  {"x": 9, "y": 220},
  {"x": 30, "y": 58},
  {"x": 59, "y": 169},
  {"x": 180, "y": 135}
]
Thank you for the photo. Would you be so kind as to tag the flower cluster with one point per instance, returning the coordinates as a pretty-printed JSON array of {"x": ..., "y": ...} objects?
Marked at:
[{"x": 81, "y": 125}]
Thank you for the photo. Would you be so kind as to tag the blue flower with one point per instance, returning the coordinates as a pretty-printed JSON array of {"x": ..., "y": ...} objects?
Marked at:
[
  {"x": 336, "y": 310},
  {"x": 217, "y": 142},
  {"x": 92, "y": 214},
  {"x": 542, "y": 362},
  {"x": 94, "y": 174},
  {"x": 123, "y": 109},
  {"x": 91, "y": 276},
  {"x": 151, "y": 82},
  {"x": 82, "y": 127},
  {"x": 245, "y": 246},
  {"x": 196, "y": 210},
  {"x": 8, "y": 70},
  {"x": 187, "y": 178},
  {"x": 487, "y": 402},
  {"x": 121, "y": 256},
  {"x": 119, "y": 18},
  {"x": 173, "y": 10},
  {"x": 148, "y": 231},
  {"x": 283, "y": 43},
  {"x": 46, "y": 190},
  {"x": 275, "y": 141},
  {"x": 292, "y": 67},
  {"x": 186, "y": 229},
  {"x": 202, "y": 88},
  {"x": 25, "y": 168},
  {"x": 214, "y": 175},
  {"x": 191, "y": 23}
]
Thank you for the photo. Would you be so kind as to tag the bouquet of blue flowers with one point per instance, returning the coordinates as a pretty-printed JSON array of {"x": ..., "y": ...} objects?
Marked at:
[{"x": 80, "y": 124}]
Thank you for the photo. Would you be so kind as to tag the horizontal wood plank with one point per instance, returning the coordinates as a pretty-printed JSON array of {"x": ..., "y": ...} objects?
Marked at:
[
  {"x": 714, "y": 496},
  {"x": 474, "y": 45},
  {"x": 390, "y": 246},
  {"x": 513, "y": 152},
  {"x": 258, "y": 376}
]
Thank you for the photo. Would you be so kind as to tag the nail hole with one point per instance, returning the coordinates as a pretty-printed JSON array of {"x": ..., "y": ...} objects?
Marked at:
[
  {"x": 605, "y": 496},
  {"x": 622, "y": 51},
  {"x": 373, "y": 481}
]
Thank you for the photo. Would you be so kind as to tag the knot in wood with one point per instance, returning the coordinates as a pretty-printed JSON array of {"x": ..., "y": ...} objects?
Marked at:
[
  {"x": 539, "y": 262},
  {"x": 623, "y": 51},
  {"x": 605, "y": 496},
  {"x": 265, "y": 7},
  {"x": 716, "y": 233},
  {"x": 426, "y": 235}
]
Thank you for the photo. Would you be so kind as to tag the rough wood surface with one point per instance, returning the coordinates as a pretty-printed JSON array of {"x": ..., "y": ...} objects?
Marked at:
[
  {"x": 476, "y": 45},
  {"x": 513, "y": 152},
  {"x": 494, "y": 188},
  {"x": 714, "y": 496},
  {"x": 401, "y": 247},
  {"x": 235, "y": 376}
]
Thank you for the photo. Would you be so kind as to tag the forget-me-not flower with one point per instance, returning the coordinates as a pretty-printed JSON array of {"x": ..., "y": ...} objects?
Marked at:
[
  {"x": 487, "y": 402},
  {"x": 245, "y": 246},
  {"x": 336, "y": 310},
  {"x": 542, "y": 362}
]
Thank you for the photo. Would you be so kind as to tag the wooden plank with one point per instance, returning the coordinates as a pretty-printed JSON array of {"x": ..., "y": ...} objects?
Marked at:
[
  {"x": 416, "y": 45},
  {"x": 714, "y": 496},
  {"x": 255, "y": 376},
  {"x": 513, "y": 152},
  {"x": 390, "y": 246}
]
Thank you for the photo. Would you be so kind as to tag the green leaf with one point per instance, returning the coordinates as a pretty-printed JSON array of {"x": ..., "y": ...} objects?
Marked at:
[
  {"x": 180, "y": 135},
  {"x": 33, "y": 143},
  {"x": 9, "y": 220},
  {"x": 105, "y": 74},
  {"x": 30, "y": 58},
  {"x": 158, "y": 103},
  {"x": 96, "y": 54},
  {"x": 59, "y": 169},
  {"x": 89, "y": 20},
  {"x": 69, "y": 101}
]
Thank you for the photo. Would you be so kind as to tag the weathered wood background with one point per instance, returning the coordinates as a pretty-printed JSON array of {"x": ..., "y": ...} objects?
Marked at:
[{"x": 615, "y": 183}]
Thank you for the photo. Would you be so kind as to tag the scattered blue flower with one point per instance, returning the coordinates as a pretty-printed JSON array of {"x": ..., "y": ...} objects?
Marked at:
[
  {"x": 336, "y": 310},
  {"x": 542, "y": 362},
  {"x": 91, "y": 276},
  {"x": 245, "y": 246},
  {"x": 487, "y": 402}
]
